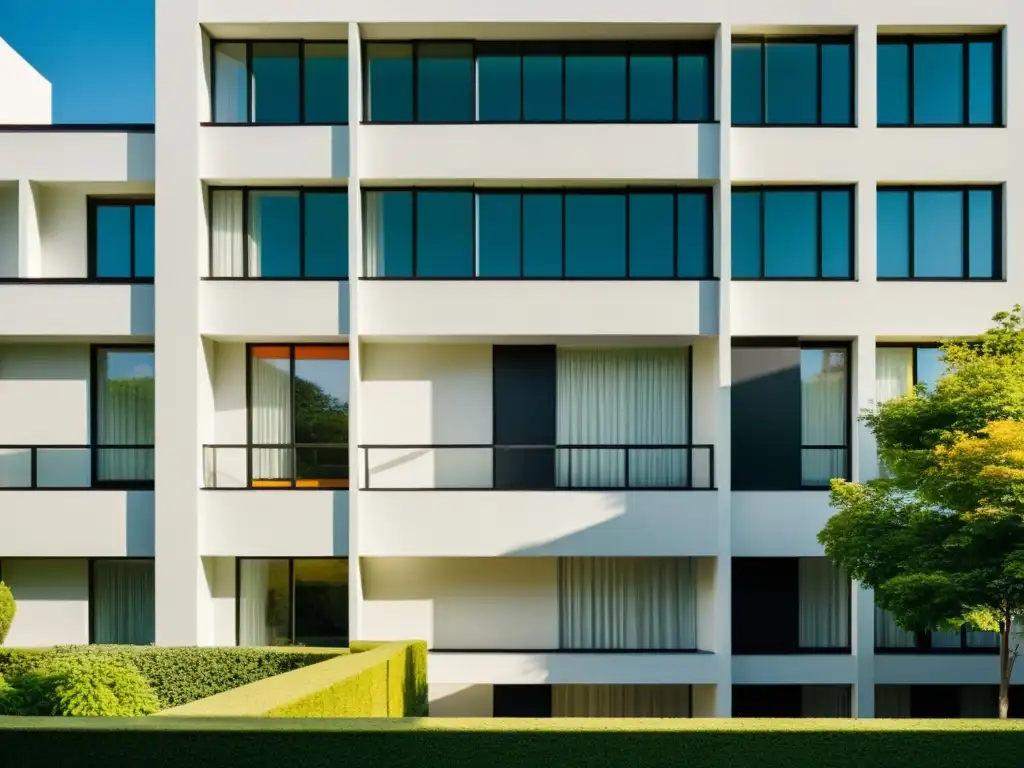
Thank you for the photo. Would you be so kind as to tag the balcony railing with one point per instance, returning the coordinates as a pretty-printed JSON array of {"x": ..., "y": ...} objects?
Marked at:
[
  {"x": 76, "y": 467},
  {"x": 822, "y": 463},
  {"x": 276, "y": 466},
  {"x": 538, "y": 467}
]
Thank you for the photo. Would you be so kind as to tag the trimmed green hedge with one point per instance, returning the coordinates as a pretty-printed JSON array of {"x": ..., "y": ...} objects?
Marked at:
[
  {"x": 181, "y": 675},
  {"x": 158, "y": 742},
  {"x": 376, "y": 680}
]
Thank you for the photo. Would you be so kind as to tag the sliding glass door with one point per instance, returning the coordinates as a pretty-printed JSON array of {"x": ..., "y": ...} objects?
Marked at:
[
  {"x": 123, "y": 415},
  {"x": 122, "y": 602}
]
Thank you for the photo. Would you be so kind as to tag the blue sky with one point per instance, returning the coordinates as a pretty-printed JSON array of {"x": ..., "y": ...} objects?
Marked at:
[{"x": 98, "y": 54}]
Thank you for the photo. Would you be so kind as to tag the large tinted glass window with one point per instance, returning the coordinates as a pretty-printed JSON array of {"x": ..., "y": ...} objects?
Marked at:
[
  {"x": 499, "y": 234},
  {"x": 595, "y": 85},
  {"x": 792, "y": 233},
  {"x": 499, "y": 83},
  {"x": 389, "y": 83},
  {"x": 275, "y": 82},
  {"x": 274, "y": 238},
  {"x": 542, "y": 235},
  {"x": 388, "y": 234},
  {"x": 595, "y": 235},
  {"x": 325, "y": 73},
  {"x": 792, "y": 82},
  {"x": 326, "y": 234},
  {"x": 651, "y": 82},
  {"x": 947, "y": 80},
  {"x": 693, "y": 236},
  {"x": 694, "y": 81},
  {"x": 125, "y": 413},
  {"x": 230, "y": 89},
  {"x": 444, "y": 83},
  {"x": 939, "y": 233},
  {"x": 651, "y": 234},
  {"x": 444, "y": 234},
  {"x": 122, "y": 239}
]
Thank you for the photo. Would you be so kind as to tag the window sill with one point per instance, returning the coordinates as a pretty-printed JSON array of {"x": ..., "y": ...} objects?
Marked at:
[
  {"x": 295, "y": 279},
  {"x": 469, "y": 278},
  {"x": 937, "y": 651},
  {"x": 272, "y": 125},
  {"x": 797, "y": 652},
  {"x": 795, "y": 280},
  {"x": 941, "y": 279},
  {"x": 936, "y": 125},
  {"x": 793, "y": 125},
  {"x": 543, "y": 122},
  {"x": 76, "y": 280}
]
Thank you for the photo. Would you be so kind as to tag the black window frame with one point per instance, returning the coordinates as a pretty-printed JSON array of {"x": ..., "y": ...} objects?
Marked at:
[
  {"x": 818, "y": 189},
  {"x": 819, "y": 41},
  {"x": 914, "y": 346},
  {"x": 91, "y": 589},
  {"x": 292, "y": 444},
  {"x": 93, "y": 204},
  {"x": 249, "y": 43},
  {"x": 96, "y": 446},
  {"x": 563, "y": 192},
  {"x": 523, "y": 48},
  {"x": 998, "y": 271},
  {"x": 998, "y": 111},
  {"x": 291, "y": 592},
  {"x": 847, "y": 446},
  {"x": 923, "y": 645},
  {"x": 303, "y": 192}
]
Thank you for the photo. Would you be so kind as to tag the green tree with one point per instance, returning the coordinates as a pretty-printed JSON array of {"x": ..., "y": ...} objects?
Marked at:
[
  {"x": 941, "y": 540},
  {"x": 7, "y": 610}
]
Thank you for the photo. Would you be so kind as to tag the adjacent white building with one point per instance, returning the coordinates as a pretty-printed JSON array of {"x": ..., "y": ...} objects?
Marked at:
[{"x": 536, "y": 339}]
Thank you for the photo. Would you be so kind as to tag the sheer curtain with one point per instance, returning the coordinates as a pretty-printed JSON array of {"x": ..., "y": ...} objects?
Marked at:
[
  {"x": 229, "y": 81},
  {"x": 626, "y": 397},
  {"x": 826, "y": 700},
  {"x": 373, "y": 234},
  {"x": 643, "y": 603},
  {"x": 889, "y": 634},
  {"x": 125, "y": 414},
  {"x": 271, "y": 414},
  {"x": 228, "y": 231},
  {"x": 254, "y": 628},
  {"x": 255, "y": 232},
  {"x": 824, "y": 604},
  {"x": 892, "y": 701},
  {"x": 823, "y": 376},
  {"x": 894, "y": 378},
  {"x": 123, "y": 595},
  {"x": 620, "y": 701}
]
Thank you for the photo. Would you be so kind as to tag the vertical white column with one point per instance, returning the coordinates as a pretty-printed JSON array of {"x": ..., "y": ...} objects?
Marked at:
[
  {"x": 181, "y": 366},
  {"x": 723, "y": 376},
  {"x": 355, "y": 269},
  {"x": 867, "y": 120},
  {"x": 865, "y": 467}
]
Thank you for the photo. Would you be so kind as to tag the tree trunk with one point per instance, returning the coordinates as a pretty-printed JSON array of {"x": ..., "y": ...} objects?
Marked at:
[{"x": 1005, "y": 668}]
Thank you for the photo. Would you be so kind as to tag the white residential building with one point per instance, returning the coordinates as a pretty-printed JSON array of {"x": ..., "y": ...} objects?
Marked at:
[{"x": 538, "y": 339}]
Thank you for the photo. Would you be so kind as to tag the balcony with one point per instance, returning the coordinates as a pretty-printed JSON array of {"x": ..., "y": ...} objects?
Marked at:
[
  {"x": 76, "y": 501},
  {"x": 564, "y": 500},
  {"x": 75, "y": 307},
  {"x": 284, "y": 153},
  {"x": 268, "y": 309}
]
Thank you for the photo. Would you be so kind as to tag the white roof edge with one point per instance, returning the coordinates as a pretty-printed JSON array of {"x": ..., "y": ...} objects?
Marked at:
[{"x": 25, "y": 95}]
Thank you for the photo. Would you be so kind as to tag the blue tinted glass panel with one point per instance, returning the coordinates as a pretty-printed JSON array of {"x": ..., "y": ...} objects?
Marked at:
[
  {"x": 595, "y": 87},
  {"x": 445, "y": 83},
  {"x": 113, "y": 241},
  {"x": 836, "y": 84},
  {"x": 893, "y": 244},
  {"x": 498, "y": 234},
  {"x": 595, "y": 235},
  {"x": 390, "y": 82},
  {"x": 542, "y": 87},
  {"x": 275, "y": 82},
  {"x": 893, "y": 84},
  {"x": 326, "y": 228},
  {"x": 791, "y": 81},
  {"x": 325, "y": 71},
  {"x": 651, "y": 236},
  {"x": 388, "y": 234},
  {"x": 694, "y": 82},
  {"x": 746, "y": 234},
  {"x": 444, "y": 234},
  {"x": 694, "y": 234},
  {"x": 790, "y": 234},
  {"x": 930, "y": 367},
  {"x": 746, "y": 84},
  {"x": 274, "y": 234},
  {"x": 542, "y": 235},
  {"x": 938, "y": 234},
  {"x": 938, "y": 84},
  {"x": 145, "y": 240},
  {"x": 499, "y": 84},
  {"x": 650, "y": 87},
  {"x": 229, "y": 83},
  {"x": 982, "y": 85},
  {"x": 981, "y": 208},
  {"x": 835, "y": 233}
]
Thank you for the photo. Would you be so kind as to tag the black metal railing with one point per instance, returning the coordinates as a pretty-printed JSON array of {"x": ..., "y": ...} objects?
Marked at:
[
  {"x": 538, "y": 467},
  {"x": 822, "y": 463},
  {"x": 76, "y": 467},
  {"x": 276, "y": 465}
]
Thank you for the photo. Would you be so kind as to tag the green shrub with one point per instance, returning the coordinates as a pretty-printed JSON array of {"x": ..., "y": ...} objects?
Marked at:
[
  {"x": 7, "y": 611},
  {"x": 181, "y": 675},
  {"x": 81, "y": 686},
  {"x": 18, "y": 661}
]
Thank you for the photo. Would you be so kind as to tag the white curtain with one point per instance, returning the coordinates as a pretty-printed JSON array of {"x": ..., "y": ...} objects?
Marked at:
[
  {"x": 889, "y": 634},
  {"x": 620, "y": 701},
  {"x": 824, "y": 604},
  {"x": 373, "y": 234},
  {"x": 124, "y": 593},
  {"x": 823, "y": 375},
  {"x": 229, "y": 83},
  {"x": 228, "y": 231},
  {"x": 892, "y": 701},
  {"x": 642, "y": 603},
  {"x": 254, "y": 626},
  {"x": 255, "y": 230},
  {"x": 977, "y": 639},
  {"x": 946, "y": 639},
  {"x": 979, "y": 701},
  {"x": 125, "y": 413},
  {"x": 826, "y": 700},
  {"x": 271, "y": 414},
  {"x": 894, "y": 378},
  {"x": 625, "y": 397}
]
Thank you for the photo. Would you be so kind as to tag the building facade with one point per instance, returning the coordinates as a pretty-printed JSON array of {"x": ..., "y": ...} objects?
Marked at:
[{"x": 540, "y": 340}]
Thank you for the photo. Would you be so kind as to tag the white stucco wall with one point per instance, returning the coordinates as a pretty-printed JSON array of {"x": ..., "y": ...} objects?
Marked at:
[
  {"x": 44, "y": 394},
  {"x": 52, "y": 598},
  {"x": 9, "y": 250}
]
